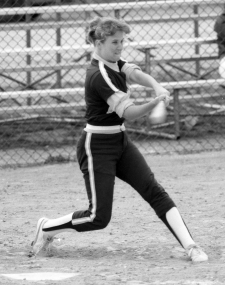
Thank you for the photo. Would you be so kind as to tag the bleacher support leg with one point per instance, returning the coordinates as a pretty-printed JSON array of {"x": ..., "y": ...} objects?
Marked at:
[{"x": 176, "y": 108}]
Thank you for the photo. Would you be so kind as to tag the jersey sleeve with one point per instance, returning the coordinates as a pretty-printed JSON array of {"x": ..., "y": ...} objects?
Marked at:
[{"x": 119, "y": 102}]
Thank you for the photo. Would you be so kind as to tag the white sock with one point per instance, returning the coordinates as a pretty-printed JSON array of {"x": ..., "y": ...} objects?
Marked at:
[
  {"x": 175, "y": 221},
  {"x": 51, "y": 223}
]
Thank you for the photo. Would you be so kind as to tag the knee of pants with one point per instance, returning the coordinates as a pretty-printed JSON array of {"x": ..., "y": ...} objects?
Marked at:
[
  {"x": 155, "y": 193},
  {"x": 150, "y": 189},
  {"x": 102, "y": 221}
]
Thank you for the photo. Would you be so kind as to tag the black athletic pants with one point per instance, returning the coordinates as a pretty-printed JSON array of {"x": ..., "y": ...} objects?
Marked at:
[{"x": 102, "y": 157}]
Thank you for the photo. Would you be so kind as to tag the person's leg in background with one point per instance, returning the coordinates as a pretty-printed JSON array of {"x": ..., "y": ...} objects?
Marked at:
[{"x": 222, "y": 67}]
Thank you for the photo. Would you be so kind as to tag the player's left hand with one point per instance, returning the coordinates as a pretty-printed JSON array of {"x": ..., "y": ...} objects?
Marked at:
[{"x": 164, "y": 94}]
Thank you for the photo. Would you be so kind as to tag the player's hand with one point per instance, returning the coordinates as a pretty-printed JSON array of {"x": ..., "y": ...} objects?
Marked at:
[
  {"x": 165, "y": 98},
  {"x": 163, "y": 95}
]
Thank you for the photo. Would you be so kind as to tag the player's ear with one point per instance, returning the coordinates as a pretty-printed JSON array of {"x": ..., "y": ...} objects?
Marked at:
[{"x": 98, "y": 43}]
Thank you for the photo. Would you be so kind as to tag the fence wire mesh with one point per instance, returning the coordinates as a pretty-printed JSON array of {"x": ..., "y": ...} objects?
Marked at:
[{"x": 44, "y": 55}]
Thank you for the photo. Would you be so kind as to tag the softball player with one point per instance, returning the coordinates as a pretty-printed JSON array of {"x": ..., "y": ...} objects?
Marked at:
[{"x": 105, "y": 151}]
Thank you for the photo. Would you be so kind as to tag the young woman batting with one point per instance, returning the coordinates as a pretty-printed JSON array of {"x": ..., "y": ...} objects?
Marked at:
[{"x": 105, "y": 151}]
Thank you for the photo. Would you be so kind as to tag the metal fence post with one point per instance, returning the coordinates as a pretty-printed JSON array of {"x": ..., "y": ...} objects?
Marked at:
[
  {"x": 28, "y": 45},
  {"x": 58, "y": 43},
  {"x": 197, "y": 49}
]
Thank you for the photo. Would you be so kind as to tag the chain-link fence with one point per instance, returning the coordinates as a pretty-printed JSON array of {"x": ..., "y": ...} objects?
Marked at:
[{"x": 44, "y": 55}]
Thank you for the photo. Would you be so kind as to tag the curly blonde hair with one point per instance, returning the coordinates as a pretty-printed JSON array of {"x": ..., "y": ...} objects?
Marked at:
[{"x": 101, "y": 28}]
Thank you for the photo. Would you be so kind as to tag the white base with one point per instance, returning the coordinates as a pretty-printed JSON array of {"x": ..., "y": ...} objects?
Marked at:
[{"x": 38, "y": 276}]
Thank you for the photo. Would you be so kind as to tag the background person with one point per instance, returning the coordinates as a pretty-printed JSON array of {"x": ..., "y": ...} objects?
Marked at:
[{"x": 219, "y": 28}]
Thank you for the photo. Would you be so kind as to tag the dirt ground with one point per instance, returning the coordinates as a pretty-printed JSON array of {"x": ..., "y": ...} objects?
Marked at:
[{"x": 136, "y": 248}]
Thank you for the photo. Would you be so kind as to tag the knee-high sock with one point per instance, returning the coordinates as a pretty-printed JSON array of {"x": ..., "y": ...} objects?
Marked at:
[
  {"x": 176, "y": 225},
  {"x": 59, "y": 225}
]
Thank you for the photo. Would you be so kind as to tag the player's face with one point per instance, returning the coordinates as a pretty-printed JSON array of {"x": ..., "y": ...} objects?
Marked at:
[{"x": 112, "y": 47}]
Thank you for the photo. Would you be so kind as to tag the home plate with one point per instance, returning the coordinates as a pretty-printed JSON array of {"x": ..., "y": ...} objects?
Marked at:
[{"x": 39, "y": 276}]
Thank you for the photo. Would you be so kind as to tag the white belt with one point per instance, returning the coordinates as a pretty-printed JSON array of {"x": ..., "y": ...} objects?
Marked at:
[{"x": 105, "y": 129}]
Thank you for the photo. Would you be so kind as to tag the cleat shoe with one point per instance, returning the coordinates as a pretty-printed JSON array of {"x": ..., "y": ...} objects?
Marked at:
[
  {"x": 196, "y": 254},
  {"x": 42, "y": 239}
]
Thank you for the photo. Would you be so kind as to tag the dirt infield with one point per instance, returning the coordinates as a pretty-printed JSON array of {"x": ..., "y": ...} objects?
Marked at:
[{"x": 136, "y": 248}]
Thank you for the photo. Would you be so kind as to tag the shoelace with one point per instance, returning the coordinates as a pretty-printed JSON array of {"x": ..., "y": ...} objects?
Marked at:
[
  {"x": 47, "y": 242},
  {"x": 197, "y": 248}
]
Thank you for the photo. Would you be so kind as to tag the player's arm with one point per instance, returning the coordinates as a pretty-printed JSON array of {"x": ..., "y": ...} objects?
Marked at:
[
  {"x": 144, "y": 79},
  {"x": 134, "y": 112},
  {"x": 121, "y": 103}
]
